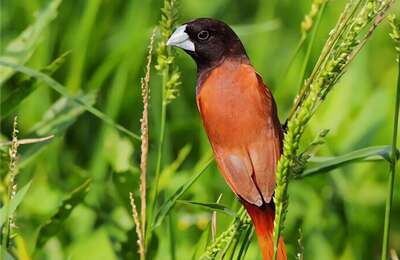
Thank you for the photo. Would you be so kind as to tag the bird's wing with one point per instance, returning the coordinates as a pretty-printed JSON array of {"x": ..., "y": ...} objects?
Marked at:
[
  {"x": 240, "y": 118},
  {"x": 237, "y": 169},
  {"x": 266, "y": 150}
]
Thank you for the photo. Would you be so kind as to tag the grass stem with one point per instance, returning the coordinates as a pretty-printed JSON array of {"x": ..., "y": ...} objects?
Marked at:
[
  {"x": 392, "y": 173},
  {"x": 343, "y": 44},
  {"x": 12, "y": 189},
  {"x": 311, "y": 44},
  {"x": 144, "y": 126},
  {"x": 343, "y": 21},
  {"x": 294, "y": 56},
  {"x": 161, "y": 137},
  {"x": 139, "y": 232},
  {"x": 170, "y": 81}
]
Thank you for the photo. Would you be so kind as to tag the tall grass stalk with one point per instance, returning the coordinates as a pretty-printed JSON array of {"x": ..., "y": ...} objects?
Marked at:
[
  {"x": 226, "y": 237},
  {"x": 395, "y": 23},
  {"x": 144, "y": 126},
  {"x": 12, "y": 190},
  {"x": 139, "y": 232},
  {"x": 305, "y": 27},
  {"x": 170, "y": 82},
  {"x": 300, "y": 246},
  {"x": 343, "y": 20},
  {"x": 321, "y": 9},
  {"x": 344, "y": 43}
]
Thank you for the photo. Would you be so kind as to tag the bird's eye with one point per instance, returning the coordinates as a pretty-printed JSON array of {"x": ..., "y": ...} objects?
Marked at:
[{"x": 203, "y": 35}]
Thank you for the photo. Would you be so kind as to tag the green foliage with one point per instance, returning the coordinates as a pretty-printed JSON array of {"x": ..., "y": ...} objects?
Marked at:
[
  {"x": 165, "y": 60},
  {"x": 7, "y": 256},
  {"x": 210, "y": 206},
  {"x": 14, "y": 203},
  {"x": 395, "y": 34},
  {"x": 21, "y": 49},
  {"x": 343, "y": 44},
  {"x": 394, "y": 155},
  {"x": 202, "y": 243},
  {"x": 322, "y": 165},
  {"x": 54, "y": 225},
  {"x": 169, "y": 87},
  {"x": 223, "y": 241},
  {"x": 72, "y": 69},
  {"x": 61, "y": 90},
  {"x": 170, "y": 202},
  {"x": 56, "y": 120},
  {"x": 13, "y": 95}
]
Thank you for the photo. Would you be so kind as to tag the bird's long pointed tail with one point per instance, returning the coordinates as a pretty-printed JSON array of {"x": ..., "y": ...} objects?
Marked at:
[{"x": 263, "y": 220}]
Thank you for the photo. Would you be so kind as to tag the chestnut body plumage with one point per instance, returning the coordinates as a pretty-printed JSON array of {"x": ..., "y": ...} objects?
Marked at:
[{"x": 240, "y": 118}]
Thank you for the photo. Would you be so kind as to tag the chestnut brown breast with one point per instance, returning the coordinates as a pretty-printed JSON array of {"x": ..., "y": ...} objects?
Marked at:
[{"x": 239, "y": 115}]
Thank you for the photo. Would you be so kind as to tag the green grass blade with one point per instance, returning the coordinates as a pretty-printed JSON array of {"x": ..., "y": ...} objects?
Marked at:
[
  {"x": 210, "y": 206},
  {"x": 394, "y": 156},
  {"x": 21, "y": 49},
  {"x": 202, "y": 243},
  {"x": 169, "y": 170},
  {"x": 98, "y": 164},
  {"x": 58, "y": 118},
  {"x": 224, "y": 241},
  {"x": 62, "y": 91},
  {"x": 246, "y": 242},
  {"x": 13, "y": 94},
  {"x": 170, "y": 202},
  {"x": 81, "y": 43},
  {"x": 326, "y": 164},
  {"x": 14, "y": 203},
  {"x": 61, "y": 115},
  {"x": 54, "y": 224},
  {"x": 7, "y": 255}
]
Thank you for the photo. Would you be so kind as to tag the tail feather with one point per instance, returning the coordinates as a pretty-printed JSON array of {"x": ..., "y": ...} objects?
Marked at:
[{"x": 263, "y": 220}]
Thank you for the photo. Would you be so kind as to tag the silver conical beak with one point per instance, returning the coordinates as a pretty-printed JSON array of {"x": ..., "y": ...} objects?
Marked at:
[{"x": 181, "y": 39}]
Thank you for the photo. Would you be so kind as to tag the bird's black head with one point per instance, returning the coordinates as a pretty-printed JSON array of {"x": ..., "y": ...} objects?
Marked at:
[{"x": 208, "y": 41}]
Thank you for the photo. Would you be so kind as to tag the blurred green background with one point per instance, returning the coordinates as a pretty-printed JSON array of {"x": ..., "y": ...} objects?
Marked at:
[{"x": 340, "y": 213}]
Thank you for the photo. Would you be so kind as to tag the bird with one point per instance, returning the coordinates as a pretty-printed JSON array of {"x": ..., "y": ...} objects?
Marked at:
[{"x": 240, "y": 117}]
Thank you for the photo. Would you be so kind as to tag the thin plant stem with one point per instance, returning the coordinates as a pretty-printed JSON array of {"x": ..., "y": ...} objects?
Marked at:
[
  {"x": 135, "y": 215},
  {"x": 12, "y": 188},
  {"x": 226, "y": 237},
  {"x": 306, "y": 26},
  {"x": 169, "y": 89},
  {"x": 311, "y": 44},
  {"x": 159, "y": 159},
  {"x": 296, "y": 52},
  {"x": 161, "y": 137},
  {"x": 28, "y": 141},
  {"x": 392, "y": 173},
  {"x": 214, "y": 221},
  {"x": 160, "y": 147},
  {"x": 341, "y": 45},
  {"x": 333, "y": 38},
  {"x": 145, "y": 137},
  {"x": 246, "y": 242},
  {"x": 300, "y": 246},
  {"x": 172, "y": 239}
]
